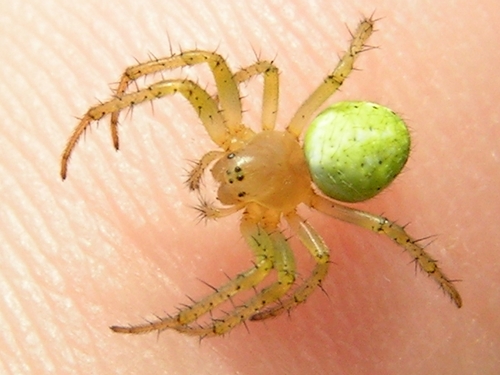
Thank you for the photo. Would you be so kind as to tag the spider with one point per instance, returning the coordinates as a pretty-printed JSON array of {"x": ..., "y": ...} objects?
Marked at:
[{"x": 266, "y": 175}]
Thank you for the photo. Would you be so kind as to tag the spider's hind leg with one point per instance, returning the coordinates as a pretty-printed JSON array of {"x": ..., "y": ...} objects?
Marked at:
[
  {"x": 334, "y": 80},
  {"x": 381, "y": 225}
]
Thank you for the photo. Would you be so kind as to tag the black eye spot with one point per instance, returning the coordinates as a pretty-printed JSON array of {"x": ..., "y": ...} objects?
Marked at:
[
  {"x": 231, "y": 155},
  {"x": 240, "y": 177},
  {"x": 237, "y": 169},
  {"x": 241, "y": 194}
]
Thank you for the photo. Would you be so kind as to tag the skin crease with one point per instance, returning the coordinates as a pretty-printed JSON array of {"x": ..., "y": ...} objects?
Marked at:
[{"x": 118, "y": 241}]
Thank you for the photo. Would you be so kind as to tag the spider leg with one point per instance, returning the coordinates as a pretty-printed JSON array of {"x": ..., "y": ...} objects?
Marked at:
[
  {"x": 269, "y": 111},
  {"x": 334, "y": 80},
  {"x": 284, "y": 263},
  {"x": 395, "y": 232},
  {"x": 270, "y": 99},
  {"x": 201, "y": 101},
  {"x": 227, "y": 89},
  {"x": 315, "y": 244},
  {"x": 264, "y": 250}
]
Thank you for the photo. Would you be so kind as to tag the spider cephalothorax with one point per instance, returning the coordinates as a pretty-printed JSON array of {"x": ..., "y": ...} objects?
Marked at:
[{"x": 266, "y": 175}]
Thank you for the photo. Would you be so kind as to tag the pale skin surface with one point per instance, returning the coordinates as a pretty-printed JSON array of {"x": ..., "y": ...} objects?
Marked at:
[{"x": 119, "y": 239}]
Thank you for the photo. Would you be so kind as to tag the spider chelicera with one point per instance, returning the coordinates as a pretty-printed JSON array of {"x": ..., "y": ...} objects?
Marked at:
[{"x": 265, "y": 175}]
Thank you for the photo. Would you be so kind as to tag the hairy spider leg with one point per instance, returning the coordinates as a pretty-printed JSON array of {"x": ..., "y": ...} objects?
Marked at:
[
  {"x": 270, "y": 97},
  {"x": 381, "y": 225},
  {"x": 333, "y": 81},
  {"x": 269, "y": 112},
  {"x": 201, "y": 101},
  {"x": 271, "y": 251},
  {"x": 227, "y": 89},
  {"x": 284, "y": 264},
  {"x": 307, "y": 234},
  {"x": 321, "y": 254}
]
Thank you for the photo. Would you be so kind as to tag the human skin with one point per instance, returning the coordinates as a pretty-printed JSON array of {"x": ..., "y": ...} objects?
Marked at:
[{"x": 118, "y": 240}]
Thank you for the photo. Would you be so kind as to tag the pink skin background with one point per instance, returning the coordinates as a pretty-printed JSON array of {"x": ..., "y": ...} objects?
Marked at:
[{"x": 118, "y": 240}]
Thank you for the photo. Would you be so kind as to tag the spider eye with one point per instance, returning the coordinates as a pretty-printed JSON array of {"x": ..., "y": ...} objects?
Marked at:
[{"x": 356, "y": 149}]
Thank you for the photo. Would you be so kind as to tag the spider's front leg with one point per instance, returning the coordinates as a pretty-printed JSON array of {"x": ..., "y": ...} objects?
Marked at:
[
  {"x": 265, "y": 258},
  {"x": 321, "y": 254},
  {"x": 202, "y": 102},
  {"x": 227, "y": 89},
  {"x": 284, "y": 264},
  {"x": 271, "y": 251}
]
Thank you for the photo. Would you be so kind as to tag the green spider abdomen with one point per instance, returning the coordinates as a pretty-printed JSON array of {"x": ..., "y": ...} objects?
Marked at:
[{"x": 356, "y": 149}]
